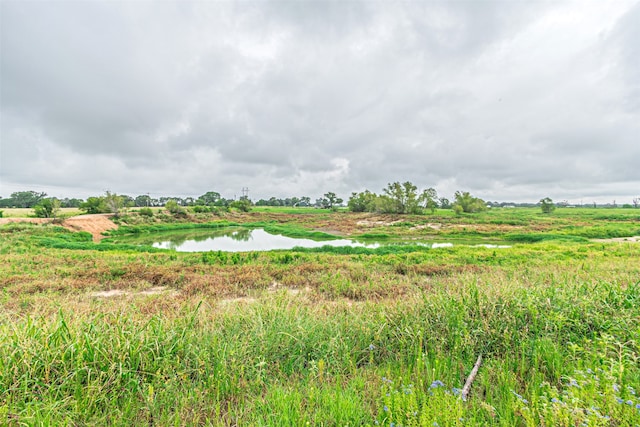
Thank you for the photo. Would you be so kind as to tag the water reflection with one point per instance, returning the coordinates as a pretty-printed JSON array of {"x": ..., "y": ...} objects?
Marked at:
[{"x": 243, "y": 240}]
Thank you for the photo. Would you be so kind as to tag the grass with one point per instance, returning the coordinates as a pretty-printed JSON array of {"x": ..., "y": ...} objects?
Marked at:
[
  {"x": 28, "y": 212},
  {"x": 329, "y": 337}
]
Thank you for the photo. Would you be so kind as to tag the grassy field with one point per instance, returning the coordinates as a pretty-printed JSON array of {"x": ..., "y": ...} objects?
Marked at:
[
  {"x": 29, "y": 212},
  {"x": 109, "y": 334}
]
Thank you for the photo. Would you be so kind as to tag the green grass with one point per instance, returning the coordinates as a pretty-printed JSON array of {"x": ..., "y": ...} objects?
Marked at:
[{"x": 329, "y": 336}]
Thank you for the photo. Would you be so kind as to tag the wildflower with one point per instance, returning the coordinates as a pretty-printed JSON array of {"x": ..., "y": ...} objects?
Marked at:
[
  {"x": 629, "y": 402},
  {"x": 436, "y": 384},
  {"x": 619, "y": 400},
  {"x": 573, "y": 383},
  {"x": 372, "y": 347},
  {"x": 376, "y": 422},
  {"x": 456, "y": 391},
  {"x": 386, "y": 380},
  {"x": 554, "y": 400},
  {"x": 638, "y": 406},
  {"x": 616, "y": 387},
  {"x": 385, "y": 408},
  {"x": 631, "y": 390}
]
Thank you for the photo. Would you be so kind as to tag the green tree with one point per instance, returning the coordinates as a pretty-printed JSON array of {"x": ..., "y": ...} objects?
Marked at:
[
  {"x": 243, "y": 204},
  {"x": 362, "y": 202},
  {"x": 94, "y": 205},
  {"x": 210, "y": 198},
  {"x": 26, "y": 199},
  {"x": 547, "y": 205},
  {"x": 330, "y": 201},
  {"x": 429, "y": 199},
  {"x": 174, "y": 208},
  {"x": 113, "y": 202},
  {"x": 401, "y": 198},
  {"x": 142, "y": 200},
  {"x": 465, "y": 202},
  {"x": 47, "y": 208}
]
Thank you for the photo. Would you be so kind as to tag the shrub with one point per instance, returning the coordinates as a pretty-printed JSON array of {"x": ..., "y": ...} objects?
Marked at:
[{"x": 148, "y": 212}]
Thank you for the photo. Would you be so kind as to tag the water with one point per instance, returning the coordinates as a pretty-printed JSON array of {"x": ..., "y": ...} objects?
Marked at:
[
  {"x": 245, "y": 240},
  {"x": 240, "y": 239}
]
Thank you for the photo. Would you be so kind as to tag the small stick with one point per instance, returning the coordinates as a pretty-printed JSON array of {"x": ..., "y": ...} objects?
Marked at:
[{"x": 472, "y": 376}]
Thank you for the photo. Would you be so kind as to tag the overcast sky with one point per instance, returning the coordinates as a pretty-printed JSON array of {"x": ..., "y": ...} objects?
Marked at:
[{"x": 510, "y": 100}]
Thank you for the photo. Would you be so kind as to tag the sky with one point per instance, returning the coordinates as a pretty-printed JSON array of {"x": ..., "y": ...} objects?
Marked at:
[{"x": 509, "y": 100}]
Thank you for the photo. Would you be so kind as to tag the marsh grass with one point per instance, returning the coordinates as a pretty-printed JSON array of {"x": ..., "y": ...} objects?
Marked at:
[{"x": 367, "y": 338}]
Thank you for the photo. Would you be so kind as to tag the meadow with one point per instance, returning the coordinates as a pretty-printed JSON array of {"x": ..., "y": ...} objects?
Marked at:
[{"x": 114, "y": 334}]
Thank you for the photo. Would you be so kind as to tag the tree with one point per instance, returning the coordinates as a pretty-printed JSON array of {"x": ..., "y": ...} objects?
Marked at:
[
  {"x": 209, "y": 198},
  {"x": 401, "y": 198},
  {"x": 94, "y": 205},
  {"x": 174, "y": 208},
  {"x": 26, "y": 199},
  {"x": 243, "y": 204},
  {"x": 47, "y": 208},
  {"x": 362, "y": 202},
  {"x": 636, "y": 202},
  {"x": 445, "y": 203},
  {"x": 305, "y": 201},
  {"x": 429, "y": 199},
  {"x": 113, "y": 202},
  {"x": 465, "y": 202},
  {"x": 142, "y": 200},
  {"x": 547, "y": 205},
  {"x": 330, "y": 200}
]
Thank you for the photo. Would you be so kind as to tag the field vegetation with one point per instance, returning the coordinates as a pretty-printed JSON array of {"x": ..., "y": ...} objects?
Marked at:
[{"x": 112, "y": 333}]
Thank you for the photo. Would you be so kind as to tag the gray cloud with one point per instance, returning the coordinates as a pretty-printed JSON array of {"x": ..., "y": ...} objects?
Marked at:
[{"x": 511, "y": 100}]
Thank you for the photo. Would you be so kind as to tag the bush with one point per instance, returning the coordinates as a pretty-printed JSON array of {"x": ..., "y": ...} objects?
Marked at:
[
  {"x": 175, "y": 209},
  {"x": 148, "y": 212}
]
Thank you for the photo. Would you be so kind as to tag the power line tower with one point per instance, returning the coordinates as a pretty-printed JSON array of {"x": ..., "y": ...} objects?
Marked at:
[{"x": 245, "y": 193}]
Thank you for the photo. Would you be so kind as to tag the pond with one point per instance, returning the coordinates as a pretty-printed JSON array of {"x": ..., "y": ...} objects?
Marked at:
[{"x": 240, "y": 239}]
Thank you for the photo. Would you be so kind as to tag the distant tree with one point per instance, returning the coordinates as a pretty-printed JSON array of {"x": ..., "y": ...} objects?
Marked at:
[
  {"x": 465, "y": 202},
  {"x": 305, "y": 201},
  {"x": 636, "y": 202},
  {"x": 26, "y": 199},
  {"x": 94, "y": 205},
  {"x": 330, "y": 200},
  {"x": 47, "y": 208},
  {"x": 142, "y": 200},
  {"x": 445, "y": 203},
  {"x": 547, "y": 205},
  {"x": 362, "y": 202},
  {"x": 209, "y": 198},
  {"x": 243, "y": 204},
  {"x": 114, "y": 202},
  {"x": 70, "y": 203},
  {"x": 429, "y": 199},
  {"x": 400, "y": 198},
  {"x": 174, "y": 208}
]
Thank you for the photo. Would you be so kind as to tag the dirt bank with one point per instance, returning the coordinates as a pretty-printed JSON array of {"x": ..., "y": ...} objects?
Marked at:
[{"x": 95, "y": 224}]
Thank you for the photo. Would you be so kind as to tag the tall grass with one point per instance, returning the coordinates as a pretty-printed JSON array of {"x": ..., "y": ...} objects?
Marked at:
[{"x": 319, "y": 337}]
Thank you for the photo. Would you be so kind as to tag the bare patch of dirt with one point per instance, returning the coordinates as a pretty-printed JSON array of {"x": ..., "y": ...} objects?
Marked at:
[
  {"x": 434, "y": 226},
  {"x": 634, "y": 239},
  {"x": 96, "y": 224},
  {"x": 156, "y": 290}
]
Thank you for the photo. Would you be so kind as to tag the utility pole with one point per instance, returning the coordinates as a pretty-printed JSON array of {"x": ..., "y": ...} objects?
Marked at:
[{"x": 245, "y": 193}]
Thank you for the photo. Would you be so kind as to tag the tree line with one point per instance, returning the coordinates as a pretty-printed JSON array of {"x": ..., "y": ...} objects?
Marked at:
[{"x": 406, "y": 198}]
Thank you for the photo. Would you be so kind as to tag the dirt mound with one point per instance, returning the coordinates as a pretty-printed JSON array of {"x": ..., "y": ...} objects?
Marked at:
[{"x": 95, "y": 224}]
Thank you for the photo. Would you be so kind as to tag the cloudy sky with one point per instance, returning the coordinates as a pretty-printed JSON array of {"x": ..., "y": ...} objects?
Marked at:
[{"x": 511, "y": 100}]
